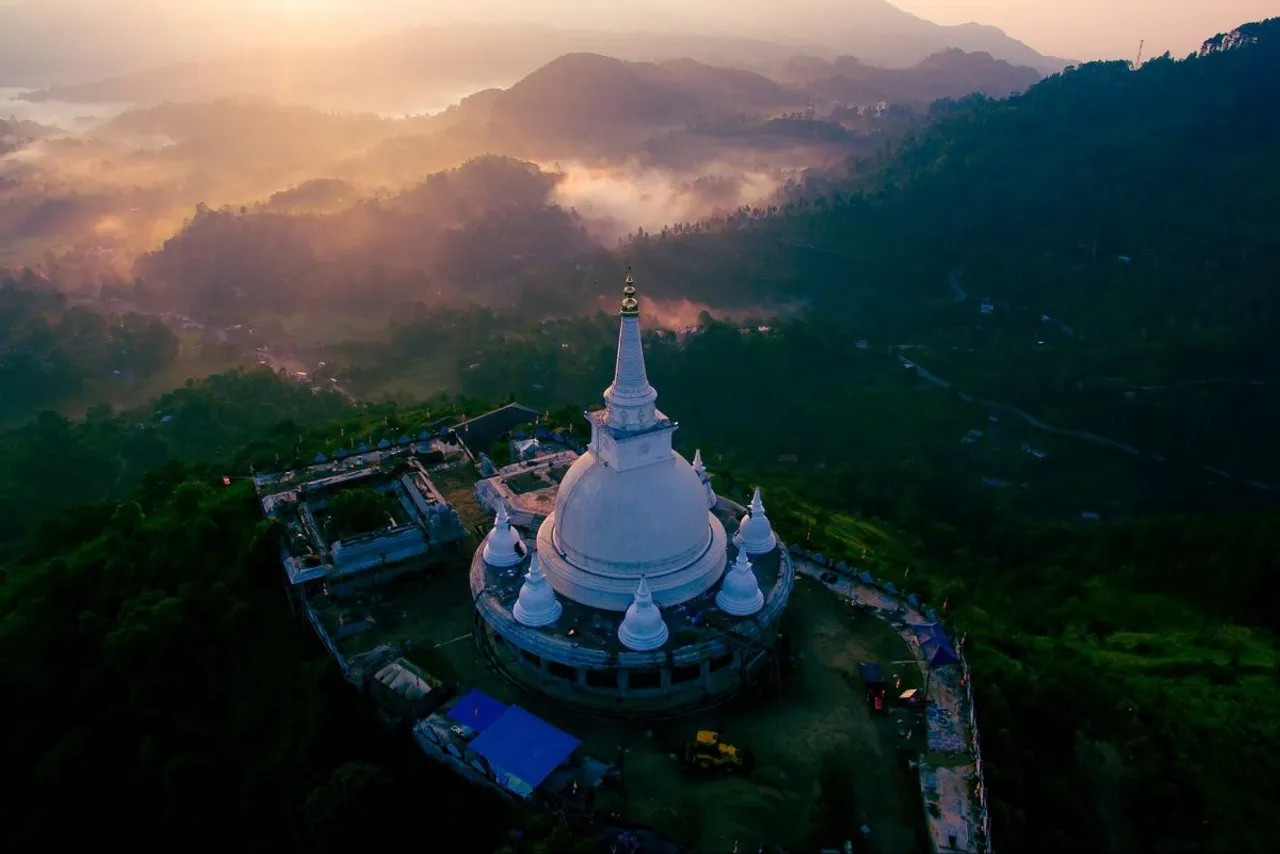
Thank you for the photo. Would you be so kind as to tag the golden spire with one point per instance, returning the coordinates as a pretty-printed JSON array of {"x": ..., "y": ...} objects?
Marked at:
[{"x": 629, "y": 304}]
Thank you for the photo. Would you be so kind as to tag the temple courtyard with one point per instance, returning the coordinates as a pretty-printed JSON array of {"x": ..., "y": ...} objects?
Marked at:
[{"x": 825, "y": 766}]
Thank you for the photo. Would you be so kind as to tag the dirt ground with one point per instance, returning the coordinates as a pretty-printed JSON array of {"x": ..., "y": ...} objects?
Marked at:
[{"x": 820, "y": 711}]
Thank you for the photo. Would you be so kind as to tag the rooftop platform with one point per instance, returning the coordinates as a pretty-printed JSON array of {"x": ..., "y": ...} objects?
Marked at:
[
  {"x": 528, "y": 488},
  {"x": 585, "y": 636},
  {"x": 292, "y": 480},
  {"x": 420, "y": 522}
]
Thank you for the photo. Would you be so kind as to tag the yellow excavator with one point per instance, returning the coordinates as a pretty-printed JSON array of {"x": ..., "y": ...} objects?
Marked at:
[{"x": 708, "y": 753}]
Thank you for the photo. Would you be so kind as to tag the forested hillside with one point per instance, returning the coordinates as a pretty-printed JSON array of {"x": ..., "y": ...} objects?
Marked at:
[
  {"x": 106, "y": 455},
  {"x": 51, "y": 350},
  {"x": 1110, "y": 653},
  {"x": 484, "y": 220},
  {"x": 1127, "y": 672},
  {"x": 1099, "y": 252},
  {"x": 1119, "y": 223}
]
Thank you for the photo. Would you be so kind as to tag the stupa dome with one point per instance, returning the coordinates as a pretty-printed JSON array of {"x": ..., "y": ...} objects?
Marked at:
[
  {"x": 630, "y": 506},
  {"x": 633, "y": 529},
  {"x": 740, "y": 595},
  {"x": 537, "y": 604},
  {"x": 755, "y": 534},
  {"x": 642, "y": 628},
  {"x": 643, "y": 521},
  {"x": 501, "y": 546}
]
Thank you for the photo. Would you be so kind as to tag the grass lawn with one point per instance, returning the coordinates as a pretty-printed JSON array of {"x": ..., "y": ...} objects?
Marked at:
[{"x": 525, "y": 482}]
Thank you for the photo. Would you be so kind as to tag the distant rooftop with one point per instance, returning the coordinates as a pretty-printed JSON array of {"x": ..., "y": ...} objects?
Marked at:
[
  {"x": 404, "y": 679},
  {"x": 481, "y": 432},
  {"x": 421, "y": 518},
  {"x": 528, "y": 488}
]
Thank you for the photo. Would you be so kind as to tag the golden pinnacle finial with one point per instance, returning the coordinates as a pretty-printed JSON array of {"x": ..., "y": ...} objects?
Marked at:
[{"x": 629, "y": 304}]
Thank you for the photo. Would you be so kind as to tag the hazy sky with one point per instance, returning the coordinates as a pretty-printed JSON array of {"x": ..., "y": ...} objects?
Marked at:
[
  {"x": 1085, "y": 29},
  {"x": 1077, "y": 29}
]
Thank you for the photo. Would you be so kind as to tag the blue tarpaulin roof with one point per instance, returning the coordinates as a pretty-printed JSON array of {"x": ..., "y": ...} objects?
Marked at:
[
  {"x": 927, "y": 631},
  {"x": 477, "y": 710},
  {"x": 939, "y": 653},
  {"x": 523, "y": 746},
  {"x": 936, "y": 645}
]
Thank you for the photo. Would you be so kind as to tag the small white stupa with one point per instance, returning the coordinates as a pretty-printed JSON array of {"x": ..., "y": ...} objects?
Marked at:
[
  {"x": 755, "y": 534},
  {"x": 701, "y": 471},
  {"x": 740, "y": 594},
  {"x": 537, "y": 605},
  {"x": 501, "y": 547},
  {"x": 642, "y": 628}
]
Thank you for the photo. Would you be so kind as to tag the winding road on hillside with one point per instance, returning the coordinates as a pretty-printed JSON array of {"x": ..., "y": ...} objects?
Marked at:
[{"x": 1114, "y": 444}]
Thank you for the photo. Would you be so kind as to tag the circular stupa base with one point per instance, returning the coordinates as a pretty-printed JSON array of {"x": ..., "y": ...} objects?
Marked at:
[
  {"x": 539, "y": 618},
  {"x": 708, "y": 657},
  {"x": 737, "y": 608}
]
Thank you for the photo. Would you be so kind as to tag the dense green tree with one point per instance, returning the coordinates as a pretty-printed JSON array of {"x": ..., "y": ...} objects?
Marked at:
[
  {"x": 357, "y": 511},
  {"x": 167, "y": 696},
  {"x": 50, "y": 350}
]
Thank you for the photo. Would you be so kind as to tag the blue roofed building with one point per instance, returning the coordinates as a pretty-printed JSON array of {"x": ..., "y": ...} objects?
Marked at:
[
  {"x": 935, "y": 645},
  {"x": 522, "y": 750},
  {"x": 477, "y": 711},
  {"x": 939, "y": 652}
]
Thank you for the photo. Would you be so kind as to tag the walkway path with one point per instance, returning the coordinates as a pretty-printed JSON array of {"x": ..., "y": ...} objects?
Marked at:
[{"x": 950, "y": 770}]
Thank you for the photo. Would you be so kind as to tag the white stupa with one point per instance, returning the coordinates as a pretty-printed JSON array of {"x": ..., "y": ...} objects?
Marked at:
[
  {"x": 755, "y": 534},
  {"x": 501, "y": 547},
  {"x": 701, "y": 471},
  {"x": 537, "y": 605},
  {"x": 740, "y": 594},
  {"x": 642, "y": 628},
  {"x": 630, "y": 507}
]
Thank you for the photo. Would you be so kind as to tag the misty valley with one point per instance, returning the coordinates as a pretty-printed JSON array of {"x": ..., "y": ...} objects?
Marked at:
[{"x": 988, "y": 327}]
